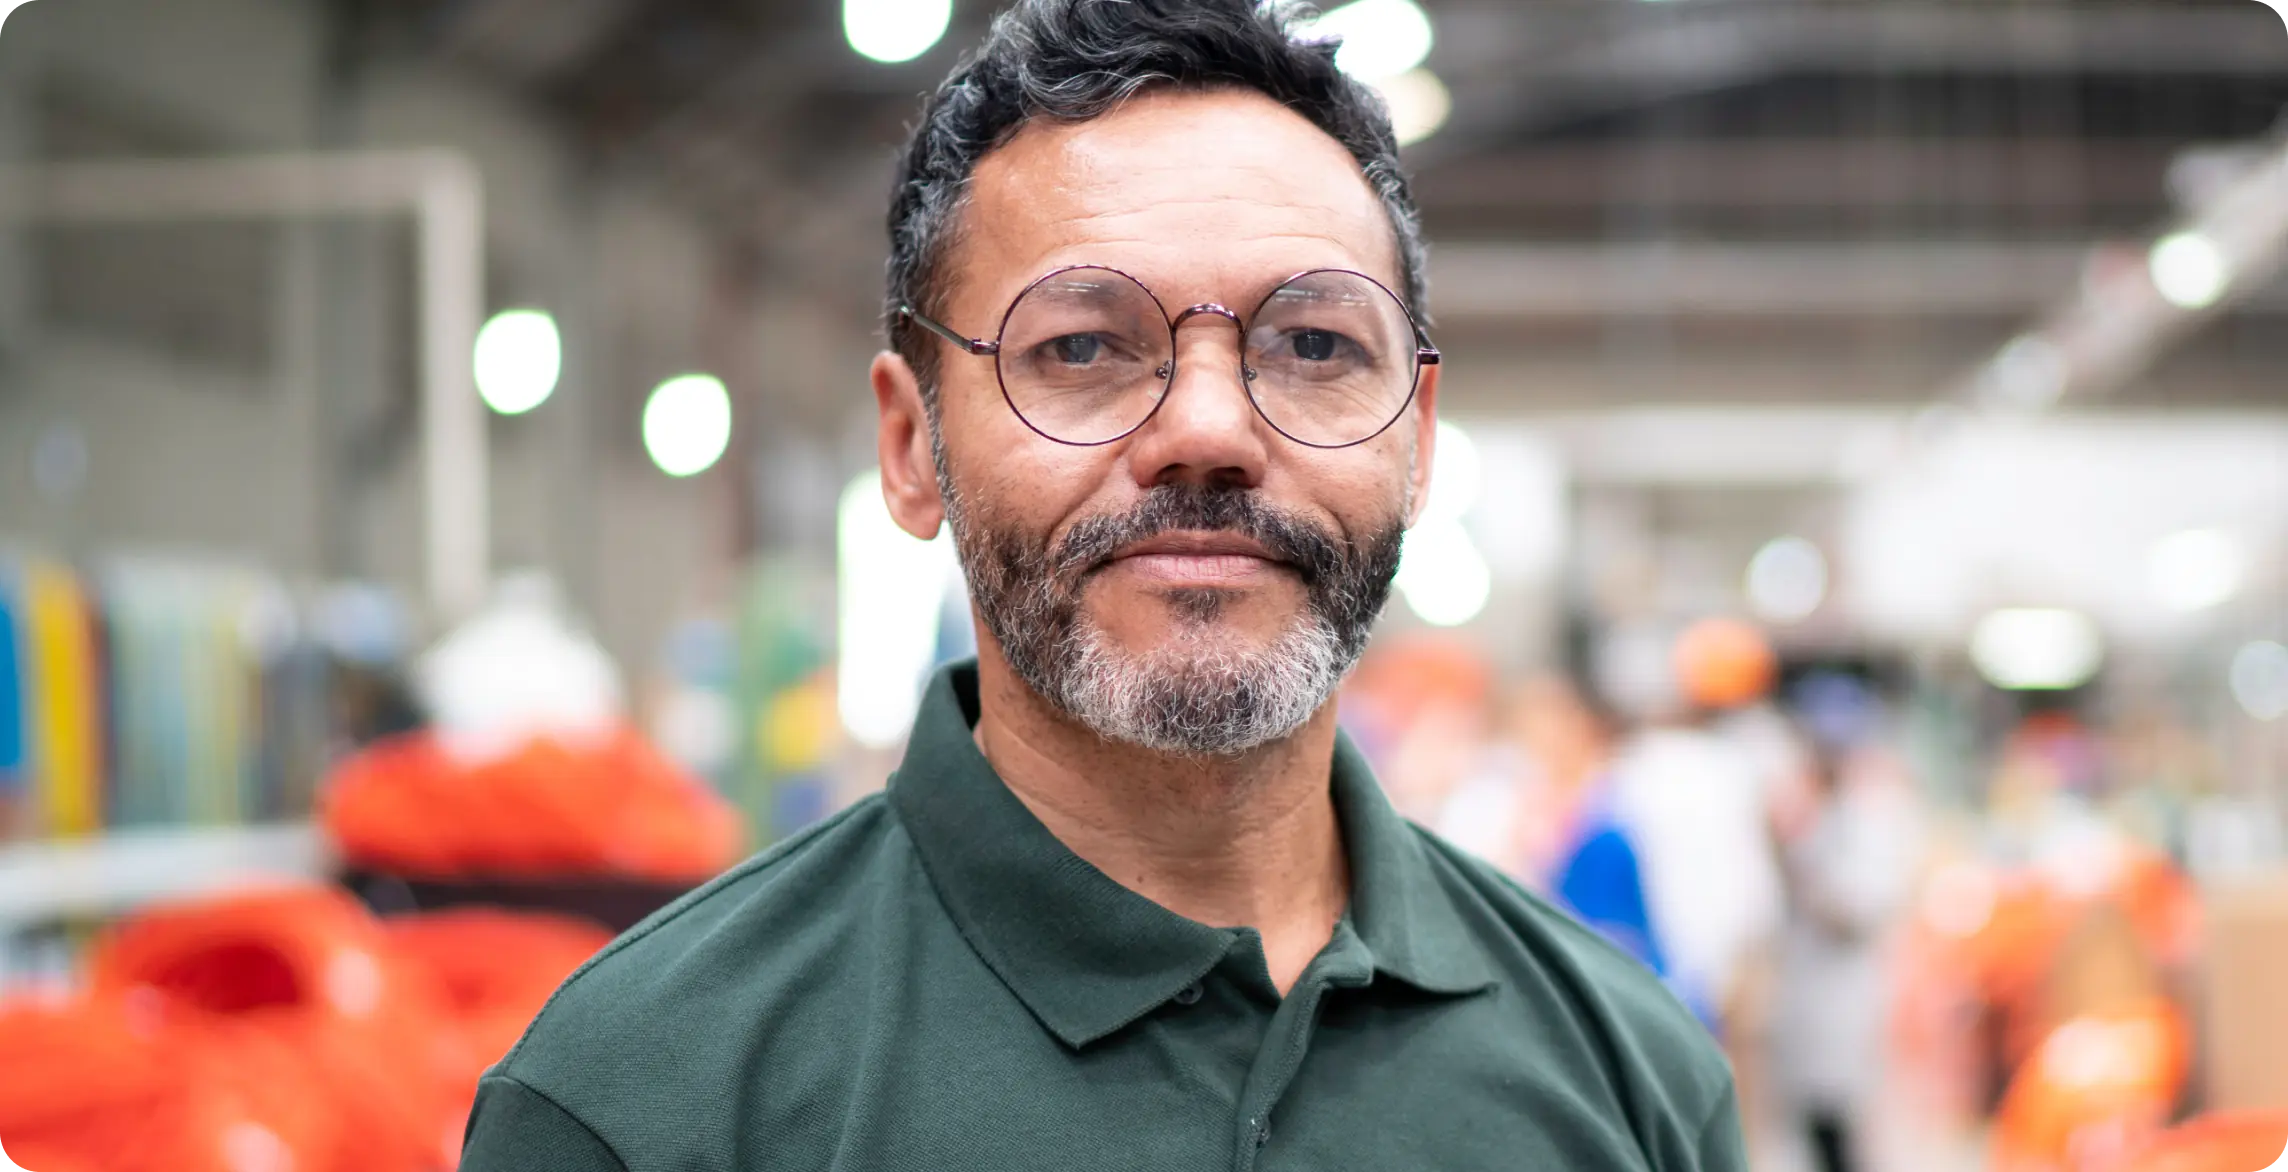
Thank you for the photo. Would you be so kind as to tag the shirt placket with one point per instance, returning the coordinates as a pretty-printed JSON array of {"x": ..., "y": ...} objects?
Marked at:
[{"x": 1345, "y": 964}]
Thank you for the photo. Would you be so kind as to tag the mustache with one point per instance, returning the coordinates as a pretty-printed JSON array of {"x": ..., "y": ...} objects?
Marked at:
[{"x": 1091, "y": 544}]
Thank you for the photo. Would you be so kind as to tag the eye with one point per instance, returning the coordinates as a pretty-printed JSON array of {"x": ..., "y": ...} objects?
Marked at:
[
  {"x": 1076, "y": 349},
  {"x": 1316, "y": 345}
]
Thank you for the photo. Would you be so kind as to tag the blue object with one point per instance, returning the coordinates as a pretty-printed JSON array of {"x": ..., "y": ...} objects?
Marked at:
[
  {"x": 1600, "y": 879},
  {"x": 15, "y": 769}
]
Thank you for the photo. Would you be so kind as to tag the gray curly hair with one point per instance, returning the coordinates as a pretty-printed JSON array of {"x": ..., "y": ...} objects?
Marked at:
[{"x": 1072, "y": 60}]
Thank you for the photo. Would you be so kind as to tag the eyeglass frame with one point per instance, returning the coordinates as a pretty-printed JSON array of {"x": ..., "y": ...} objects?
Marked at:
[{"x": 1425, "y": 354}]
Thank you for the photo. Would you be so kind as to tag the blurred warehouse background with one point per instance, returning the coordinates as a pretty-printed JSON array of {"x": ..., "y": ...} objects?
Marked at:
[{"x": 1893, "y": 396}]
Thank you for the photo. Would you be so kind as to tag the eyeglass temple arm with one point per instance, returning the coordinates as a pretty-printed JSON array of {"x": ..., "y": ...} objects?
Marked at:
[{"x": 977, "y": 346}]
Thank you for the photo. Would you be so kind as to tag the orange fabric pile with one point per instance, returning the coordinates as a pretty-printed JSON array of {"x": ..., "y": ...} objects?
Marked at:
[
  {"x": 493, "y": 972},
  {"x": 2238, "y": 1141},
  {"x": 275, "y": 1029},
  {"x": 548, "y": 809}
]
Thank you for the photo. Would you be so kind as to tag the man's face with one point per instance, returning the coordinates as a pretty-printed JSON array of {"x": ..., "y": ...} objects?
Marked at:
[{"x": 1203, "y": 584}]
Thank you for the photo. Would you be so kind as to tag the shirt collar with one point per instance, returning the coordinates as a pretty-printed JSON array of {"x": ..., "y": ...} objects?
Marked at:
[{"x": 1087, "y": 955}]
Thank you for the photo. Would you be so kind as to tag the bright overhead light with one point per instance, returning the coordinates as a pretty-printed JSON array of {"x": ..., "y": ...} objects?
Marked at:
[
  {"x": 1419, "y": 104},
  {"x": 1381, "y": 38},
  {"x": 2189, "y": 270},
  {"x": 1787, "y": 580},
  {"x": 2195, "y": 570},
  {"x": 2037, "y": 649},
  {"x": 2260, "y": 679},
  {"x": 687, "y": 424},
  {"x": 891, "y": 31},
  {"x": 518, "y": 357},
  {"x": 1441, "y": 574},
  {"x": 890, "y": 592}
]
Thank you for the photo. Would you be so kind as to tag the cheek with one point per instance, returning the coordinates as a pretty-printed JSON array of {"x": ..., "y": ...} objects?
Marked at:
[
  {"x": 1004, "y": 470},
  {"x": 1365, "y": 489}
]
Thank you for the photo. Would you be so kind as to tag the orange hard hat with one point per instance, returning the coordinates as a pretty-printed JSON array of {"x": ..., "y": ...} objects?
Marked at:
[{"x": 1723, "y": 663}]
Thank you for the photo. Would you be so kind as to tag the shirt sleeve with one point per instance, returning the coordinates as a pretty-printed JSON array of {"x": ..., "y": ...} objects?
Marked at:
[
  {"x": 514, "y": 1128},
  {"x": 1722, "y": 1148}
]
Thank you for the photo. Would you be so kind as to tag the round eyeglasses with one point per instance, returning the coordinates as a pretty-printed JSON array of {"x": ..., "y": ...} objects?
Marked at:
[{"x": 1086, "y": 355}]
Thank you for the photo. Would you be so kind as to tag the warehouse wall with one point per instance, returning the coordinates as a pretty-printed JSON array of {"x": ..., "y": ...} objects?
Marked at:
[{"x": 299, "y": 450}]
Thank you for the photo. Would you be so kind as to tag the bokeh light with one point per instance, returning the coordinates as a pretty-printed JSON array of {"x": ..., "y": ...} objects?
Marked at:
[
  {"x": 2189, "y": 271},
  {"x": 1457, "y": 475},
  {"x": 2195, "y": 570},
  {"x": 518, "y": 357},
  {"x": 687, "y": 424},
  {"x": 1419, "y": 104},
  {"x": 888, "y": 589},
  {"x": 2037, "y": 649},
  {"x": 2030, "y": 373},
  {"x": 1381, "y": 38},
  {"x": 2260, "y": 679},
  {"x": 1441, "y": 574},
  {"x": 1787, "y": 580},
  {"x": 891, "y": 31}
]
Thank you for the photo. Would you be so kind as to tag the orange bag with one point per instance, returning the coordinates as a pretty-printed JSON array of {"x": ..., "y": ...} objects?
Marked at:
[{"x": 551, "y": 808}]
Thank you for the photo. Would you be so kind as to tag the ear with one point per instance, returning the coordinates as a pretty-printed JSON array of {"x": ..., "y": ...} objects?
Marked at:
[
  {"x": 1423, "y": 416},
  {"x": 902, "y": 440}
]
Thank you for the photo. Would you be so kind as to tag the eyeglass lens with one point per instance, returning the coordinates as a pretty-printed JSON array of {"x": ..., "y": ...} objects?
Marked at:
[{"x": 1087, "y": 354}]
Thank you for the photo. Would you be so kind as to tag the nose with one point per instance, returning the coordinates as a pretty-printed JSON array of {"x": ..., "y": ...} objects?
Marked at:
[{"x": 1205, "y": 432}]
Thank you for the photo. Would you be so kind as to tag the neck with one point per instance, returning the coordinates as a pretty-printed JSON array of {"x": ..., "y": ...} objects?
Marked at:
[{"x": 1246, "y": 841}]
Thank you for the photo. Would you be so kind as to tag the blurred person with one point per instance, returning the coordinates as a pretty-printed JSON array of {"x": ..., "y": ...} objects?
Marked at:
[
  {"x": 1848, "y": 855},
  {"x": 1692, "y": 783},
  {"x": 1692, "y": 794},
  {"x": 1131, "y": 900},
  {"x": 1564, "y": 830}
]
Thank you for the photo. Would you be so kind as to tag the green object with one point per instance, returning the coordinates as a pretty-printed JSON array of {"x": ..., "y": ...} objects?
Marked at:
[{"x": 932, "y": 981}]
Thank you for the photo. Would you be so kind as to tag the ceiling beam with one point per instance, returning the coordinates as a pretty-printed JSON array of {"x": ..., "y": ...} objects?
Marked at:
[{"x": 1634, "y": 55}]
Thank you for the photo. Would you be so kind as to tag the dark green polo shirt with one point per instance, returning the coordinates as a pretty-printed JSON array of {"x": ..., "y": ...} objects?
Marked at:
[{"x": 930, "y": 980}]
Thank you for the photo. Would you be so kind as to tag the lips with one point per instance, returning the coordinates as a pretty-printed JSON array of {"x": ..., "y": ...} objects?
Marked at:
[{"x": 1198, "y": 545}]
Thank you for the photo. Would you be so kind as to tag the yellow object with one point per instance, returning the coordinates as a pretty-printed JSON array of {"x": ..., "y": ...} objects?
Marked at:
[
  {"x": 67, "y": 744},
  {"x": 798, "y": 727}
]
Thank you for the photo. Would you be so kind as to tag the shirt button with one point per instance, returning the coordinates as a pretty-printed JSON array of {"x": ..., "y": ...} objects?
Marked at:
[
  {"x": 1189, "y": 994},
  {"x": 1262, "y": 1132}
]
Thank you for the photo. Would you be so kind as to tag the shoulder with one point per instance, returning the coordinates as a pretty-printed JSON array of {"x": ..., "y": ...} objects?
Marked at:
[
  {"x": 1626, "y": 1018},
  {"x": 741, "y": 941}
]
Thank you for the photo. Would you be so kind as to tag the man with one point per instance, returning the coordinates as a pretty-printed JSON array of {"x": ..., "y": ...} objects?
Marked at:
[{"x": 1131, "y": 901}]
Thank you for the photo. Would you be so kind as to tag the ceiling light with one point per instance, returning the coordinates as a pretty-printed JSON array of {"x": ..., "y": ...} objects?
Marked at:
[
  {"x": 891, "y": 31},
  {"x": 687, "y": 424},
  {"x": 1787, "y": 580},
  {"x": 2037, "y": 649},
  {"x": 2189, "y": 271},
  {"x": 2195, "y": 570},
  {"x": 1381, "y": 38},
  {"x": 518, "y": 356}
]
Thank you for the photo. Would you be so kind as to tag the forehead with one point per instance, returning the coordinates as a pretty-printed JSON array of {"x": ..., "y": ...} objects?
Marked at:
[{"x": 1203, "y": 195}]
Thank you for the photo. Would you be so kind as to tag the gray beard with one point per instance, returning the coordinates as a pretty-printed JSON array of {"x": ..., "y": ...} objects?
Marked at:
[{"x": 1194, "y": 694}]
